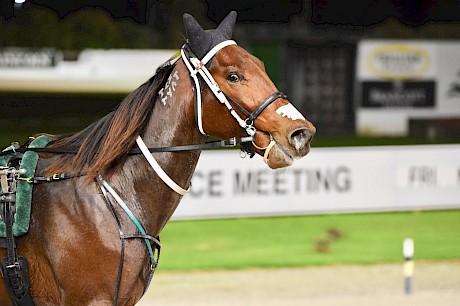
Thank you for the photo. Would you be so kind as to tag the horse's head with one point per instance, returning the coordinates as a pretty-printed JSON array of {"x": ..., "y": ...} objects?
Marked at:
[{"x": 248, "y": 103}]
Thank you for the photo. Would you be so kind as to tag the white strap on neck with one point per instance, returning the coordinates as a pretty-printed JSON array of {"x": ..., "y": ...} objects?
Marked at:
[{"x": 157, "y": 168}]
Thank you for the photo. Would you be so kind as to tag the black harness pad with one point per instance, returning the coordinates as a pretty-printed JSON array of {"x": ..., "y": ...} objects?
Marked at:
[{"x": 17, "y": 281}]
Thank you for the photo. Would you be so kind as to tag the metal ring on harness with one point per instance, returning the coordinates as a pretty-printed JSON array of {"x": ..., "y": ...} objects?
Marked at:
[{"x": 262, "y": 148}]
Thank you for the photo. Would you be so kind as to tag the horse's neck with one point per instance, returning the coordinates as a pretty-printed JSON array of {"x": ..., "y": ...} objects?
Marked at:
[{"x": 172, "y": 123}]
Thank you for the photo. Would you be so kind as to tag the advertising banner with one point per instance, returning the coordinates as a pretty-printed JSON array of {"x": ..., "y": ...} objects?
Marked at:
[
  {"x": 399, "y": 80},
  {"x": 15, "y": 57},
  {"x": 398, "y": 94},
  {"x": 328, "y": 180}
]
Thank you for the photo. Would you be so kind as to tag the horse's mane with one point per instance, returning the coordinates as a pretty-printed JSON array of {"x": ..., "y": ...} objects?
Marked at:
[{"x": 105, "y": 143}]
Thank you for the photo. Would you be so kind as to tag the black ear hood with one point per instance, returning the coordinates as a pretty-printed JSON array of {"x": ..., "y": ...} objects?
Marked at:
[{"x": 202, "y": 41}]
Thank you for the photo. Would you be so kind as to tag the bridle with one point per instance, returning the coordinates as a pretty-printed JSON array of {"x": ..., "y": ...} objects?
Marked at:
[{"x": 199, "y": 67}]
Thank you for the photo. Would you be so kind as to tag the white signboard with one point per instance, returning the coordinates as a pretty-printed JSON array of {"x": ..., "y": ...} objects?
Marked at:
[
  {"x": 326, "y": 181},
  {"x": 398, "y": 80},
  {"x": 111, "y": 71}
]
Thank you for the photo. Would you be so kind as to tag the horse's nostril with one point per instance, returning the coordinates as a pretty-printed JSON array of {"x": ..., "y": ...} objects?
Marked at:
[{"x": 300, "y": 138}]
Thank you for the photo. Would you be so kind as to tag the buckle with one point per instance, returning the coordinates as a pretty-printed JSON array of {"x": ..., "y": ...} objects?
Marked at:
[
  {"x": 14, "y": 265},
  {"x": 26, "y": 179},
  {"x": 56, "y": 177},
  {"x": 251, "y": 130},
  {"x": 231, "y": 142}
]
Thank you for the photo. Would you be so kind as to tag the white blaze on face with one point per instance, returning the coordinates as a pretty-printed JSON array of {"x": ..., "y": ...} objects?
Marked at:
[{"x": 290, "y": 111}]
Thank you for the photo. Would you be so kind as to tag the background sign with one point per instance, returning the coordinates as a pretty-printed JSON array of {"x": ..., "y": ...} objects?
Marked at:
[
  {"x": 33, "y": 58},
  {"x": 400, "y": 80},
  {"x": 329, "y": 180},
  {"x": 95, "y": 71},
  {"x": 398, "y": 94}
]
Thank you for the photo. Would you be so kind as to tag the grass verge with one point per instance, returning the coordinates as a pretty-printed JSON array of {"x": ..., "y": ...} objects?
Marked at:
[{"x": 309, "y": 240}]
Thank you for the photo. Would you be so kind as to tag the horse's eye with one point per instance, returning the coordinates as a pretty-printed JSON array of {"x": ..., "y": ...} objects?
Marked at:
[{"x": 234, "y": 78}]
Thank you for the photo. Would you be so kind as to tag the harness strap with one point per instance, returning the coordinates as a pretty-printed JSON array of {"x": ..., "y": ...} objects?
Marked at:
[
  {"x": 55, "y": 177},
  {"x": 106, "y": 189},
  {"x": 14, "y": 268},
  {"x": 130, "y": 214},
  {"x": 250, "y": 117},
  {"x": 214, "y": 50},
  {"x": 122, "y": 240},
  {"x": 239, "y": 107},
  {"x": 157, "y": 168},
  {"x": 195, "y": 66},
  {"x": 263, "y": 105},
  {"x": 232, "y": 142},
  {"x": 153, "y": 239}
]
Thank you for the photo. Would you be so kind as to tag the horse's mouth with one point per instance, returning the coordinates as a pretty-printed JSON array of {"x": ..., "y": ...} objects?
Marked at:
[{"x": 279, "y": 155}]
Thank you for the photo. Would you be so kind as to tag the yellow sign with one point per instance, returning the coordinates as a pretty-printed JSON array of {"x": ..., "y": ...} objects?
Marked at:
[{"x": 398, "y": 62}]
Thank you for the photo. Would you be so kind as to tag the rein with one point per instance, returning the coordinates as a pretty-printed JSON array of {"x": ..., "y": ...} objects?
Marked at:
[{"x": 229, "y": 143}]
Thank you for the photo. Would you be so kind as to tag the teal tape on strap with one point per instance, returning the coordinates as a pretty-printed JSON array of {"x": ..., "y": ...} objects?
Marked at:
[{"x": 130, "y": 215}]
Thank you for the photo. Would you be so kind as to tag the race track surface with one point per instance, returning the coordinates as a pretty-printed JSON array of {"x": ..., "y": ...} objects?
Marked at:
[{"x": 434, "y": 283}]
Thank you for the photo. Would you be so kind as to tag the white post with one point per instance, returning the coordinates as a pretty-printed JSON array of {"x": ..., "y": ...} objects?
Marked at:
[{"x": 408, "y": 252}]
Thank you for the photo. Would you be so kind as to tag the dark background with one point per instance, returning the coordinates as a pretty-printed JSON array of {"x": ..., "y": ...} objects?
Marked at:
[{"x": 321, "y": 35}]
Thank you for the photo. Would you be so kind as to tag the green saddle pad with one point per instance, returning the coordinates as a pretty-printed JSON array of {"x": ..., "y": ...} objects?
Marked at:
[{"x": 24, "y": 188}]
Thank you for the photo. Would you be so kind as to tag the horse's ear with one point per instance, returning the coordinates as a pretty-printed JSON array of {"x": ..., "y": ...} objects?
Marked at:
[
  {"x": 201, "y": 41},
  {"x": 227, "y": 25},
  {"x": 195, "y": 33}
]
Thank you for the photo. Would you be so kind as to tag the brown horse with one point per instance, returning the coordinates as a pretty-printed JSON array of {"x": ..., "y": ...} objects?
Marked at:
[{"x": 73, "y": 244}]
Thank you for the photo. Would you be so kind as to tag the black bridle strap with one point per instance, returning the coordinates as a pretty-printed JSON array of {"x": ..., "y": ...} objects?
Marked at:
[
  {"x": 232, "y": 142},
  {"x": 239, "y": 107},
  {"x": 259, "y": 109},
  {"x": 207, "y": 145},
  {"x": 264, "y": 105}
]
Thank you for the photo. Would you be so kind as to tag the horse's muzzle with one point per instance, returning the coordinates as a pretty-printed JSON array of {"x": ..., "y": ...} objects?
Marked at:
[{"x": 300, "y": 140}]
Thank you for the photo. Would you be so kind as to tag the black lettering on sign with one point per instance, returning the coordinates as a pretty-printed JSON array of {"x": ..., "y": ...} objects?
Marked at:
[
  {"x": 207, "y": 184},
  {"x": 243, "y": 183},
  {"x": 297, "y": 176},
  {"x": 342, "y": 179},
  {"x": 198, "y": 187},
  {"x": 279, "y": 182},
  {"x": 329, "y": 179},
  {"x": 422, "y": 176},
  {"x": 262, "y": 183},
  {"x": 215, "y": 183},
  {"x": 284, "y": 182}
]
